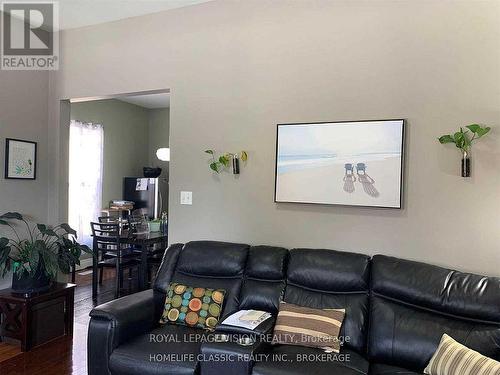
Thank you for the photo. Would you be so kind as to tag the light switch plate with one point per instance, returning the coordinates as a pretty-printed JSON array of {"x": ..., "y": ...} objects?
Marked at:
[{"x": 186, "y": 197}]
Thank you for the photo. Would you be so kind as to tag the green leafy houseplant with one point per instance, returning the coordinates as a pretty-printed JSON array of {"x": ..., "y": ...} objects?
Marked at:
[
  {"x": 463, "y": 140},
  {"x": 42, "y": 254},
  {"x": 217, "y": 164}
]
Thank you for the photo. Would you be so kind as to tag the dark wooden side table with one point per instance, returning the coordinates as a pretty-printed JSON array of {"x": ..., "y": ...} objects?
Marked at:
[{"x": 37, "y": 318}]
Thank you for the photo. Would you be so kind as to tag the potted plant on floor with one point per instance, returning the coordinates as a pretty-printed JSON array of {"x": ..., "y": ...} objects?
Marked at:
[{"x": 36, "y": 257}]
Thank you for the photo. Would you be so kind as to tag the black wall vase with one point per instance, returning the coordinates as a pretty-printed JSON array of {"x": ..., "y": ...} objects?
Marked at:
[
  {"x": 236, "y": 164},
  {"x": 465, "y": 165}
]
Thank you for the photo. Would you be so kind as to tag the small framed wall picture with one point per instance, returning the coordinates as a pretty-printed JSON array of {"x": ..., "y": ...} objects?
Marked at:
[{"x": 20, "y": 159}]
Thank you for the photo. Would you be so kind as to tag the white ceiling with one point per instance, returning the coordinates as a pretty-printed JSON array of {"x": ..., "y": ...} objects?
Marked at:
[
  {"x": 79, "y": 13},
  {"x": 150, "y": 101}
]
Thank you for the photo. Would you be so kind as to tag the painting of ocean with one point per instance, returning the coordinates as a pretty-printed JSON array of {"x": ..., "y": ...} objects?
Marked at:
[{"x": 349, "y": 163}]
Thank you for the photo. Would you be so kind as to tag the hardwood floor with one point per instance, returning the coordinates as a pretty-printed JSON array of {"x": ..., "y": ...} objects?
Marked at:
[
  {"x": 8, "y": 351},
  {"x": 63, "y": 356}
]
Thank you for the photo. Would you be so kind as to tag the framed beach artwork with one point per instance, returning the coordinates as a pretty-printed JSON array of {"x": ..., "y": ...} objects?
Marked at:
[
  {"x": 354, "y": 163},
  {"x": 20, "y": 159}
]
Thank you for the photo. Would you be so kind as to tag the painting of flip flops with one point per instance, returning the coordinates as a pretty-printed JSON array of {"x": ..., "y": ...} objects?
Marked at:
[{"x": 356, "y": 163}]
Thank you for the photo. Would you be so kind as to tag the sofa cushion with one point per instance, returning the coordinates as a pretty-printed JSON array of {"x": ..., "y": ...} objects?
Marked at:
[
  {"x": 290, "y": 360},
  {"x": 328, "y": 279},
  {"x": 193, "y": 306},
  {"x": 329, "y": 270},
  {"x": 267, "y": 262},
  {"x": 264, "y": 280},
  {"x": 216, "y": 265},
  {"x": 303, "y": 326},
  {"x": 413, "y": 304},
  {"x": 166, "y": 350},
  {"x": 212, "y": 258},
  {"x": 455, "y": 293},
  {"x": 381, "y": 369},
  {"x": 454, "y": 358}
]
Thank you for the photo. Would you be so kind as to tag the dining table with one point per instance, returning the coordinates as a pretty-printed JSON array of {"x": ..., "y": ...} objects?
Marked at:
[{"x": 139, "y": 241}]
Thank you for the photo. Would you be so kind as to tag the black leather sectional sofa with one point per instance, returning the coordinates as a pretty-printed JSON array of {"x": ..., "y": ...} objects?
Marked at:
[{"x": 396, "y": 313}]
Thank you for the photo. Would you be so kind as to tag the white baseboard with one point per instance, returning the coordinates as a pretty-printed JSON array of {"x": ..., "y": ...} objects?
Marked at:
[{"x": 84, "y": 263}]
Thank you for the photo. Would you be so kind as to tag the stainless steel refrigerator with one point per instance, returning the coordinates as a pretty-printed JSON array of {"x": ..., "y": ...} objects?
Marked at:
[{"x": 148, "y": 193}]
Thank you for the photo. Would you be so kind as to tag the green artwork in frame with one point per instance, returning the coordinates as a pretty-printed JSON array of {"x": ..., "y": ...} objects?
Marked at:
[{"x": 20, "y": 159}]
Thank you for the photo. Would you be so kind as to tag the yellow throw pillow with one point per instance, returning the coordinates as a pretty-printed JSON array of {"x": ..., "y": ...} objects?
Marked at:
[{"x": 453, "y": 358}]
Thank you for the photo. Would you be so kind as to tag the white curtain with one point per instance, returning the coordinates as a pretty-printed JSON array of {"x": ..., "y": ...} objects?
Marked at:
[{"x": 85, "y": 177}]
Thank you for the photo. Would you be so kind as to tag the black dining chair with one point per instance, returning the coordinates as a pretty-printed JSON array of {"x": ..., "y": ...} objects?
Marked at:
[
  {"x": 124, "y": 225},
  {"x": 127, "y": 250},
  {"x": 155, "y": 254},
  {"x": 111, "y": 253},
  {"x": 108, "y": 219}
]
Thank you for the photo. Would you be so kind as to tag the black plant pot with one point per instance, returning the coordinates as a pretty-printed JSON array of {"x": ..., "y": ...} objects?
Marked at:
[{"x": 27, "y": 284}]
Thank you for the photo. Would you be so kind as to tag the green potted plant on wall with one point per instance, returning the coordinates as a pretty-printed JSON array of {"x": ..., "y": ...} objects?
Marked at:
[
  {"x": 463, "y": 141},
  {"x": 36, "y": 258}
]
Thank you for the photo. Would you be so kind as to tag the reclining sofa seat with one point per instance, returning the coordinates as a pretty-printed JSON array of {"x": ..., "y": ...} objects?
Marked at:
[
  {"x": 326, "y": 279},
  {"x": 253, "y": 275},
  {"x": 263, "y": 286},
  {"x": 202, "y": 263},
  {"x": 264, "y": 280},
  {"x": 413, "y": 304}
]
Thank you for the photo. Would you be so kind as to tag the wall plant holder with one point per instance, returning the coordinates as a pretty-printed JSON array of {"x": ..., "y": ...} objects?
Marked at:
[
  {"x": 219, "y": 163},
  {"x": 463, "y": 140}
]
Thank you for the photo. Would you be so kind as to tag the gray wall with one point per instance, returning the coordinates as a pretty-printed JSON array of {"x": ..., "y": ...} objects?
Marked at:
[
  {"x": 126, "y": 140},
  {"x": 23, "y": 115},
  {"x": 236, "y": 69}
]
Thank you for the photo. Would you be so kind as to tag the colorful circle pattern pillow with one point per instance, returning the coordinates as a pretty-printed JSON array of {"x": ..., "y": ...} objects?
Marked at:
[{"x": 194, "y": 307}]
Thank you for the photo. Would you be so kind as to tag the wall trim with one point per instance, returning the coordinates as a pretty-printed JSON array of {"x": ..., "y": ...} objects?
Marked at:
[{"x": 84, "y": 263}]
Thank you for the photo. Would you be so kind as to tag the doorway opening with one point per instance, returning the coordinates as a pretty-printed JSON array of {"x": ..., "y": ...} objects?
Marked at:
[{"x": 119, "y": 157}]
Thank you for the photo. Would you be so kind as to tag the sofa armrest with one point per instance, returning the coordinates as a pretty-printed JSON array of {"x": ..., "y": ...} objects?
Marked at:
[
  {"x": 116, "y": 322},
  {"x": 130, "y": 315},
  {"x": 263, "y": 329}
]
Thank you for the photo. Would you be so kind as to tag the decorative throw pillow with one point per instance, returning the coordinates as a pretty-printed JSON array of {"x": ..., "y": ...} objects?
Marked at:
[
  {"x": 194, "y": 307},
  {"x": 453, "y": 358},
  {"x": 303, "y": 326}
]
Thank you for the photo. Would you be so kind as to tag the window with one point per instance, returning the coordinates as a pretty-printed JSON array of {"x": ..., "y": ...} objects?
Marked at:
[{"x": 85, "y": 177}]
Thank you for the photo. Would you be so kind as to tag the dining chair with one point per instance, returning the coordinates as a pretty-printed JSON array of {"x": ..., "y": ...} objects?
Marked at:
[
  {"x": 113, "y": 220},
  {"x": 127, "y": 250},
  {"x": 155, "y": 254},
  {"x": 107, "y": 219},
  {"x": 111, "y": 253}
]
